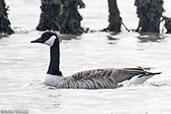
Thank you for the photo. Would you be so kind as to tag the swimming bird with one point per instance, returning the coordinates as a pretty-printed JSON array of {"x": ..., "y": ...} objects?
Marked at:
[{"x": 90, "y": 79}]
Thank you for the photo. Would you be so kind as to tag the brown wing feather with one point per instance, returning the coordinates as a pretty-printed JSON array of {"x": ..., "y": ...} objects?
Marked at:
[{"x": 101, "y": 78}]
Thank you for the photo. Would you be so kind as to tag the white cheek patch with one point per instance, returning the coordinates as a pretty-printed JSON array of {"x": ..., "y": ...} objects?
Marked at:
[{"x": 50, "y": 41}]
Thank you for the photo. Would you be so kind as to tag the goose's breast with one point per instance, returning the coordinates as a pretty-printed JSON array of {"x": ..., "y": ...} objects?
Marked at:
[{"x": 53, "y": 80}]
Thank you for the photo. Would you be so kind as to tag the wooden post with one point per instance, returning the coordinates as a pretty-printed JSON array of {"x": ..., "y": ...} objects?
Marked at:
[
  {"x": 149, "y": 13},
  {"x": 115, "y": 20},
  {"x": 49, "y": 18},
  {"x": 61, "y": 15},
  {"x": 4, "y": 21}
]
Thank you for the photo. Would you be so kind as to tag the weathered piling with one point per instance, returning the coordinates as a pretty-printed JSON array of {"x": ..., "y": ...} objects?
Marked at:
[
  {"x": 49, "y": 18},
  {"x": 115, "y": 20},
  {"x": 61, "y": 15},
  {"x": 149, "y": 13},
  {"x": 4, "y": 21}
]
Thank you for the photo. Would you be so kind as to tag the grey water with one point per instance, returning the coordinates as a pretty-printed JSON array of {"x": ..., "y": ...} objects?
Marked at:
[{"x": 23, "y": 65}]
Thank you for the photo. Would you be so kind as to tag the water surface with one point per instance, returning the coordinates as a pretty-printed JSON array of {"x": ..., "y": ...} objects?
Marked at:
[{"x": 23, "y": 65}]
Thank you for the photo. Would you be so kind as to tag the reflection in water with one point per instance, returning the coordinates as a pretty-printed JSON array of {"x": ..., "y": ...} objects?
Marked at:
[
  {"x": 113, "y": 38},
  {"x": 69, "y": 37},
  {"x": 150, "y": 37},
  {"x": 3, "y": 35}
]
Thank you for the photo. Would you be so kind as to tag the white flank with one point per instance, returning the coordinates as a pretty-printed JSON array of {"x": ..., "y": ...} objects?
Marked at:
[{"x": 135, "y": 80}]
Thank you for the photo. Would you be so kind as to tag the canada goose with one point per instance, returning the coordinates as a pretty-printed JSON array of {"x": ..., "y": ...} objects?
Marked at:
[{"x": 90, "y": 79}]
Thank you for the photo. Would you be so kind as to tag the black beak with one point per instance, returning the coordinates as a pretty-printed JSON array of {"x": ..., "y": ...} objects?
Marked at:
[{"x": 39, "y": 40}]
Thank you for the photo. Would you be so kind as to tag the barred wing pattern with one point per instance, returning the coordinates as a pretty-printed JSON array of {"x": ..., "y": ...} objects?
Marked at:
[{"x": 101, "y": 78}]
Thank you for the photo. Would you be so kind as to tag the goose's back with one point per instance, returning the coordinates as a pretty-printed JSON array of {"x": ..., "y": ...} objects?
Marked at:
[{"x": 100, "y": 78}]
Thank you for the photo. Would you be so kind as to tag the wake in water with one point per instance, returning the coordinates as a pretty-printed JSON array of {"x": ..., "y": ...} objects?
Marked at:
[{"x": 158, "y": 84}]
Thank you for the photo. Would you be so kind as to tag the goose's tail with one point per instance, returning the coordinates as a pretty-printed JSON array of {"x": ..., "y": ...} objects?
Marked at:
[
  {"x": 150, "y": 74},
  {"x": 156, "y": 73},
  {"x": 139, "y": 79}
]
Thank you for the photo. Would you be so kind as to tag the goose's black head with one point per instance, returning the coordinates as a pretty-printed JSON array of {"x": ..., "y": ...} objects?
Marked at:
[{"x": 47, "y": 38}]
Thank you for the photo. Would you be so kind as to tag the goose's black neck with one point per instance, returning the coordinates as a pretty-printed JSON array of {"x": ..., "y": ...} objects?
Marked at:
[{"x": 54, "y": 59}]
